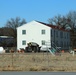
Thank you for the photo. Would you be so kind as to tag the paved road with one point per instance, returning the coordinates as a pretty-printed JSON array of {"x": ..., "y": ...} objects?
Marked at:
[{"x": 37, "y": 73}]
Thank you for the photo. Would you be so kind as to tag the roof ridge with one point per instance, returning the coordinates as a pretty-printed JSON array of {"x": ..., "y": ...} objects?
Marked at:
[{"x": 52, "y": 26}]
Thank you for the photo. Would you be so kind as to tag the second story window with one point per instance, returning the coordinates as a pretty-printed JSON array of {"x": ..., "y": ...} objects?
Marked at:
[
  {"x": 23, "y": 32},
  {"x": 61, "y": 34},
  {"x": 43, "y": 32},
  {"x": 67, "y": 35},
  {"x": 56, "y": 33}
]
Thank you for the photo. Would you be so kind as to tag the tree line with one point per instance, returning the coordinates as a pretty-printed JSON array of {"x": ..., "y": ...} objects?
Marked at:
[
  {"x": 10, "y": 28},
  {"x": 67, "y": 21}
]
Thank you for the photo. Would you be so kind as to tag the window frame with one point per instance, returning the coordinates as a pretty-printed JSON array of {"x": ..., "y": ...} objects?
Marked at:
[
  {"x": 23, "y": 32},
  {"x": 61, "y": 34},
  {"x": 43, "y": 42},
  {"x": 43, "y": 31},
  {"x": 23, "y": 42}
]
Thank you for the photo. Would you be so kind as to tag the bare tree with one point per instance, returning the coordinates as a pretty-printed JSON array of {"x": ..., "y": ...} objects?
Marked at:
[
  {"x": 13, "y": 24},
  {"x": 67, "y": 21},
  {"x": 72, "y": 17},
  {"x": 59, "y": 20},
  {"x": 55, "y": 20}
]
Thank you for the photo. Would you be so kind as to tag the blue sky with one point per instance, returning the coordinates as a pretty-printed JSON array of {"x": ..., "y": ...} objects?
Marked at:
[{"x": 40, "y": 10}]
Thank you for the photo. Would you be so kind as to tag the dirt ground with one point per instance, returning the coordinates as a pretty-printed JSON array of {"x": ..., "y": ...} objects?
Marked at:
[{"x": 37, "y": 62}]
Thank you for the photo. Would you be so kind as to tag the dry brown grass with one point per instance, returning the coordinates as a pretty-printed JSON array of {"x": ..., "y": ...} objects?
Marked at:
[{"x": 37, "y": 62}]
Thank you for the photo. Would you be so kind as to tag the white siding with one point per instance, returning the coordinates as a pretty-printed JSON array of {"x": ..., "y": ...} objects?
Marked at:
[{"x": 33, "y": 33}]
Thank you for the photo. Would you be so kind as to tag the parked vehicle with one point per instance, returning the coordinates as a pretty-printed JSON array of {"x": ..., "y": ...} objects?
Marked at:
[{"x": 32, "y": 47}]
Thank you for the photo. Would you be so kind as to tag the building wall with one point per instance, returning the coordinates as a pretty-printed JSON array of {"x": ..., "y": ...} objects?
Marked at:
[
  {"x": 33, "y": 34},
  {"x": 61, "y": 38}
]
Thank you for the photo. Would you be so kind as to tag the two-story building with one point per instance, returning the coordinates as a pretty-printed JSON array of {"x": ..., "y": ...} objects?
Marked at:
[{"x": 41, "y": 33}]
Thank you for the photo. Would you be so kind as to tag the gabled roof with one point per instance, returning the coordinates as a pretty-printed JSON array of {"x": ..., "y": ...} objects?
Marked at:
[
  {"x": 49, "y": 25},
  {"x": 53, "y": 26}
]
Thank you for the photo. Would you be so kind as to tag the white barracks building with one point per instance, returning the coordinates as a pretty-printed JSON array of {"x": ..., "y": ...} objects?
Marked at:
[{"x": 41, "y": 33}]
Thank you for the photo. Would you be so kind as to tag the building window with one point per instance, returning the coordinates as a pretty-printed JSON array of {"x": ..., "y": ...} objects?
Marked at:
[
  {"x": 23, "y": 31},
  {"x": 61, "y": 44},
  {"x": 24, "y": 42},
  {"x": 67, "y": 44},
  {"x": 57, "y": 44},
  {"x": 43, "y": 42},
  {"x": 56, "y": 33},
  {"x": 61, "y": 34},
  {"x": 43, "y": 32},
  {"x": 67, "y": 35},
  {"x": 64, "y": 43}
]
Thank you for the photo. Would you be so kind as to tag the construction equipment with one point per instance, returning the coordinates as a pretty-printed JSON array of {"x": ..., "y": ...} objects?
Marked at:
[{"x": 31, "y": 46}]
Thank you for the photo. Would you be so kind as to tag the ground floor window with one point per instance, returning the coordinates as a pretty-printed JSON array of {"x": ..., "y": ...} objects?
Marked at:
[
  {"x": 61, "y": 43},
  {"x": 57, "y": 44},
  {"x": 43, "y": 42},
  {"x": 23, "y": 42}
]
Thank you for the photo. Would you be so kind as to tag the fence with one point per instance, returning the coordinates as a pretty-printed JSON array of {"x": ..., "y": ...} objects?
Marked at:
[{"x": 36, "y": 62}]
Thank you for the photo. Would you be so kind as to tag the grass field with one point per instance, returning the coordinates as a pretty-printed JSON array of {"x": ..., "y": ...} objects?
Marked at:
[{"x": 37, "y": 62}]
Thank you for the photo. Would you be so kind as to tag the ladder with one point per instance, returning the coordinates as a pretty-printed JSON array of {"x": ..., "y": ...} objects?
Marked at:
[{"x": 54, "y": 49}]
